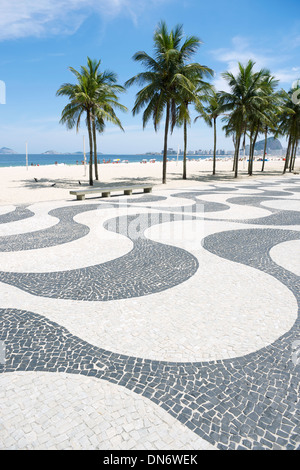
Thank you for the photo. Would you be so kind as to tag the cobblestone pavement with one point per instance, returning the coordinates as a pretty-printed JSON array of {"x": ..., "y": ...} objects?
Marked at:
[{"x": 162, "y": 321}]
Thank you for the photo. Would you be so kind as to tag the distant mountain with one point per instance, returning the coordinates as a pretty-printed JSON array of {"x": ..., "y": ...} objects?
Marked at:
[
  {"x": 272, "y": 144},
  {"x": 6, "y": 151}
]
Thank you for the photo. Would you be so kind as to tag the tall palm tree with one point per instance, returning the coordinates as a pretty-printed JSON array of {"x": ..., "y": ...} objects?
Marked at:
[
  {"x": 255, "y": 127},
  {"x": 105, "y": 101},
  {"x": 93, "y": 96},
  {"x": 246, "y": 98},
  {"x": 80, "y": 97},
  {"x": 267, "y": 129},
  {"x": 210, "y": 113},
  {"x": 289, "y": 124},
  {"x": 197, "y": 94},
  {"x": 164, "y": 79},
  {"x": 261, "y": 124}
]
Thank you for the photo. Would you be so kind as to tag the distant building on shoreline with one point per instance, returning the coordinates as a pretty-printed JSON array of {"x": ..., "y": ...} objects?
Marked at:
[{"x": 200, "y": 152}]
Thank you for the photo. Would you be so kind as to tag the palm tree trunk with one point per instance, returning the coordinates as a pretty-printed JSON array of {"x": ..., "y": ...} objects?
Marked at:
[
  {"x": 265, "y": 148},
  {"x": 88, "y": 118},
  {"x": 286, "y": 163},
  {"x": 234, "y": 157},
  {"x": 253, "y": 149},
  {"x": 295, "y": 154},
  {"x": 164, "y": 175},
  {"x": 237, "y": 155},
  {"x": 250, "y": 167},
  {"x": 184, "y": 148},
  {"x": 215, "y": 147},
  {"x": 95, "y": 150},
  {"x": 249, "y": 162},
  {"x": 234, "y": 144},
  {"x": 292, "y": 155},
  {"x": 250, "y": 147},
  {"x": 244, "y": 144}
]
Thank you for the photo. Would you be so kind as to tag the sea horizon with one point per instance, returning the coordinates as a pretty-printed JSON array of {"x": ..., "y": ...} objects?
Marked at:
[{"x": 16, "y": 160}]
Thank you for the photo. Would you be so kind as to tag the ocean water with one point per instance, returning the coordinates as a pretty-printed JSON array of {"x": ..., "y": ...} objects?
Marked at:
[{"x": 42, "y": 159}]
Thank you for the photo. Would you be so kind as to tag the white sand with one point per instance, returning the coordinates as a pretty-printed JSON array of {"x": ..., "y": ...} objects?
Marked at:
[{"x": 18, "y": 184}]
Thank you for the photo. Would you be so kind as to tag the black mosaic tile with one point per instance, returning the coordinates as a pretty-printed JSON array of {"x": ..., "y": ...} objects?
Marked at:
[
  {"x": 199, "y": 205},
  {"x": 276, "y": 218},
  {"x": 64, "y": 231},
  {"x": 25, "y": 335},
  {"x": 249, "y": 402},
  {"x": 19, "y": 213},
  {"x": 148, "y": 268}
]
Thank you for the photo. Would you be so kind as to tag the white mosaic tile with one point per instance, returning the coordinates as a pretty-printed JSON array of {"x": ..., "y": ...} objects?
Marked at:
[{"x": 41, "y": 411}]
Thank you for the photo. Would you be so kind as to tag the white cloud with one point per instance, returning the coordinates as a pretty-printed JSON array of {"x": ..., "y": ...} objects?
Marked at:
[
  {"x": 288, "y": 75},
  {"x": 23, "y": 18},
  {"x": 30, "y": 18},
  {"x": 242, "y": 52}
]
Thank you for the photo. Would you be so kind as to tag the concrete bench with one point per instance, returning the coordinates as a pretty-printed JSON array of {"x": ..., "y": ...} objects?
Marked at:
[{"x": 105, "y": 192}]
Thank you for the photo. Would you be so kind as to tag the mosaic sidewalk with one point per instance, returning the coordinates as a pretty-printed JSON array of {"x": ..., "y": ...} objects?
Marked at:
[{"x": 162, "y": 321}]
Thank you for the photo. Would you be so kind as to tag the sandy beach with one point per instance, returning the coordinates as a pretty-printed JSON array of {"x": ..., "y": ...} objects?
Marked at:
[{"x": 55, "y": 181}]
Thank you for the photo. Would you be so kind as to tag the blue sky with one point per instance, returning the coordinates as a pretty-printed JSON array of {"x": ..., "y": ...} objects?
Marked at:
[{"x": 40, "y": 40}]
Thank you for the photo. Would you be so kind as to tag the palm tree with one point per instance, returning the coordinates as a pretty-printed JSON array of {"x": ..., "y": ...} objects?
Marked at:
[
  {"x": 267, "y": 129},
  {"x": 210, "y": 113},
  {"x": 165, "y": 77},
  {"x": 80, "y": 103},
  {"x": 245, "y": 100},
  {"x": 94, "y": 95},
  {"x": 105, "y": 101},
  {"x": 289, "y": 124},
  {"x": 255, "y": 127},
  {"x": 197, "y": 94},
  {"x": 273, "y": 108},
  {"x": 261, "y": 124}
]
